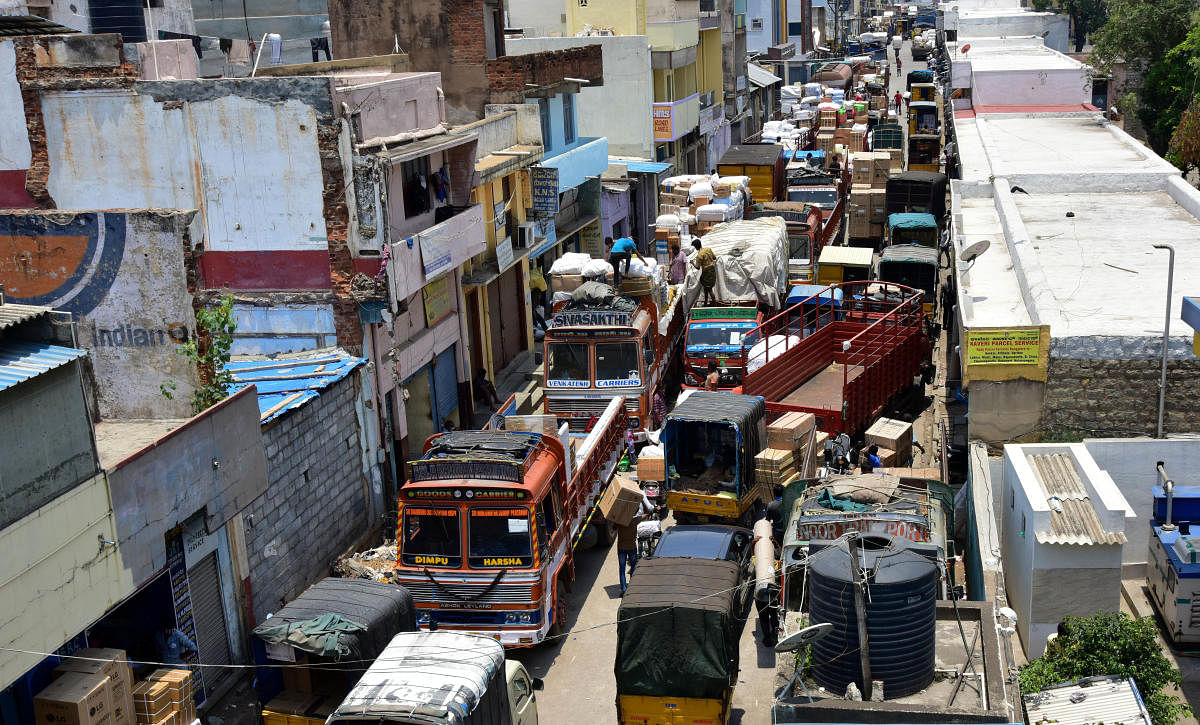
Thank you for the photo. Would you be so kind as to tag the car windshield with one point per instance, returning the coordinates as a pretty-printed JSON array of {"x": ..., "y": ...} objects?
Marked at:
[
  {"x": 567, "y": 364},
  {"x": 819, "y": 197},
  {"x": 718, "y": 333},
  {"x": 617, "y": 362},
  {"x": 431, "y": 537},
  {"x": 696, "y": 543},
  {"x": 499, "y": 538}
]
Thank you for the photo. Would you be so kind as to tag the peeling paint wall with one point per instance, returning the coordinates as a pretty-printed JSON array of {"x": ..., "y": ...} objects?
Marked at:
[
  {"x": 15, "y": 153},
  {"x": 251, "y": 163},
  {"x": 124, "y": 277}
]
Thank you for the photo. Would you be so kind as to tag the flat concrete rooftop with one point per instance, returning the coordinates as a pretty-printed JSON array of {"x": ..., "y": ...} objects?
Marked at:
[
  {"x": 1062, "y": 152},
  {"x": 991, "y": 292},
  {"x": 1011, "y": 54}
]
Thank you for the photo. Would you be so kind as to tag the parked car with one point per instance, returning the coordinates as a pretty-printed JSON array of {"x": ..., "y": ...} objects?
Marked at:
[{"x": 712, "y": 541}]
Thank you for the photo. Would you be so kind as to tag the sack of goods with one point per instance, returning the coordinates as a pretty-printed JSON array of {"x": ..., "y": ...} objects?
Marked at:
[{"x": 570, "y": 263}]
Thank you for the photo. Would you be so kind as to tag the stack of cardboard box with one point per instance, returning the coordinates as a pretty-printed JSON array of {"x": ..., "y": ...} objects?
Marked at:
[
  {"x": 166, "y": 697},
  {"x": 859, "y": 210},
  {"x": 92, "y": 687},
  {"x": 789, "y": 455},
  {"x": 894, "y": 438},
  {"x": 651, "y": 468}
]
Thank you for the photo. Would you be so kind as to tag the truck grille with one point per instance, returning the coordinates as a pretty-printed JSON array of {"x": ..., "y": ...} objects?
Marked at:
[
  {"x": 586, "y": 405},
  {"x": 423, "y": 590}
]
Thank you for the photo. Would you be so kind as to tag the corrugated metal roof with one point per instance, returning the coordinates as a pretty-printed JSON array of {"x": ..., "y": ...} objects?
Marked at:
[
  {"x": 1077, "y": 522},
  {"x": 14, "y": 25},
  {"x": 642, "y": 167},
  {"x": 14, "y": 314},
  {"x": 21, "y": 361},
  {"x": 760, "y": 76},
  {"x": 284, "y": 385},
  {"x": 1089, "y": 701}
]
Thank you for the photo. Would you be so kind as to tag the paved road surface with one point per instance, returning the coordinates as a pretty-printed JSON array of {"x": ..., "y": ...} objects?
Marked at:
[{"x": 580, "y": 687}]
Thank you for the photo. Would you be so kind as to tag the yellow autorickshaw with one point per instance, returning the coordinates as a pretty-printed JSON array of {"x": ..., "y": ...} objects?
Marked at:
[{"x": 844, "y": 264}]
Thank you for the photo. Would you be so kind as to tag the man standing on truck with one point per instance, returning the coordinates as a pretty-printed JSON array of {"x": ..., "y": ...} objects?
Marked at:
[
  {"x": 678, "y": 264},
  {"x": 618, "y": 251},
  {"x": 706, "y": 262}
]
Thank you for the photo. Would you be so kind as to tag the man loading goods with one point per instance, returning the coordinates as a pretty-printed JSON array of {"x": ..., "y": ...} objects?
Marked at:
[{"x": 618, "y": 251}]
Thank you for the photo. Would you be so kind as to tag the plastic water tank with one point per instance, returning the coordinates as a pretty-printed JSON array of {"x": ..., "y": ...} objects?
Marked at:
[{"x": 901, "y": 616}]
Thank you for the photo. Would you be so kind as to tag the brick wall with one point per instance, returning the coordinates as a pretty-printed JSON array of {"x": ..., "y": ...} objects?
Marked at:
[
  {"x": 1120, "y": 397},
  {"x": 40, "y": 67},
  {"x": 508, "y": 75},
  {"x": 315, "y": 507}
]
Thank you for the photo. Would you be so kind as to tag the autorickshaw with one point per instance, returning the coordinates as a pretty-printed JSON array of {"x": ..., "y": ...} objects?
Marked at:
[
  {"x": 924, "y": 91},
  {"x": 844, "y": 264},
  {"x": 820, "y": 306},
  {"x": 912, "y": 265}
]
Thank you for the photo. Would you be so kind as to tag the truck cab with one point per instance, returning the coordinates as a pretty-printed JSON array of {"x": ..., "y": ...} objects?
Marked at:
[
  {"x": 718, "y": 334},
  {"x": 442, "y": 678}
]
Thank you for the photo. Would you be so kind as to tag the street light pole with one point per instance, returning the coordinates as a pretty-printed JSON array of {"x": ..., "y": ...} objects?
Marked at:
[{"x": 1162, "y": 381}]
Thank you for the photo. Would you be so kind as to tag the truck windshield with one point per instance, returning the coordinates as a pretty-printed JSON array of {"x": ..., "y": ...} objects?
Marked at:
[
  {"x": 801, "y": 246},
  {"x": 821, "y": 197},
  {"x": 716, "y": 334},
  {"x": 499, "y": 538},
  {"x": 567, "y": 365},
  {"x": 431, "y": 537},
  {"x": 617, "y": 364}
]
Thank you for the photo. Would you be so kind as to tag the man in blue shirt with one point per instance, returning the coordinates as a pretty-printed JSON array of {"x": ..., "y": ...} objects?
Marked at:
[
  {"x": 174, "y": 647},
  {"x": 622, "y": 249}
]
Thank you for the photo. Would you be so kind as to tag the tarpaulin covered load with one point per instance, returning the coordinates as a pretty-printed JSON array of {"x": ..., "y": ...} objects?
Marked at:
[
  {"x": 912, "y": 220},
  {"x": 746, "y": 414},
  {"x": 382, "y": 610},
  {"x": 677, "y": 629},
  {"x": 752, "y": 258}
]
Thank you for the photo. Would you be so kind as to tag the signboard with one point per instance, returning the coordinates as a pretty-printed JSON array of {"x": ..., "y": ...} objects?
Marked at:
[
  {"x": 526, "y": 188},
  {"x": 663, "y": 128},
  {"x": 1003, "y": 347},
  {"x": 592, "y": 317},
  {"x": 504, "y": 254},
  {"x": 498, "y": 215},
  {"x": 544, "y": 189},
  {"x": 833, "y": 529},
  {"x": 436, "y": 258},
  {"x": 591, "y": 240},
  {"x": 436, "y": 296}
]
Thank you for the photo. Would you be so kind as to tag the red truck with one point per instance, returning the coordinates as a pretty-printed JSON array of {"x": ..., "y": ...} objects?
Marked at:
[
  {"x": 843, "y": 360},
  {"x": 489, "y": 522}
]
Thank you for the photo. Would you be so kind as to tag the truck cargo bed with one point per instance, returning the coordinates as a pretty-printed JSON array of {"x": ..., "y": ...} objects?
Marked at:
[{"x": 823, "y": 390}]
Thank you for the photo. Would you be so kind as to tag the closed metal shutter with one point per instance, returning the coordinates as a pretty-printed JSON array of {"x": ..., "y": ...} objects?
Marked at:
[{"x": 204, "y": 581}]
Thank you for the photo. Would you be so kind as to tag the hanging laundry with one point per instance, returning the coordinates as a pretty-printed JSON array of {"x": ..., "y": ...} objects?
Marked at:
[
  {"x": 168, "y": 35},
  {"x": 225, "y": 44},
  {"x": 276, "y": 43},
  {"x": 239, "y": 53}
]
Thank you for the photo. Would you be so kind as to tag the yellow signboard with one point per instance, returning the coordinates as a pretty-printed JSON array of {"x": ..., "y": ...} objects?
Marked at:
[
  {"x": 1003, "y": 347},
  {"x": 436, "y": 296},
  {"x": 591, "y": 241}
]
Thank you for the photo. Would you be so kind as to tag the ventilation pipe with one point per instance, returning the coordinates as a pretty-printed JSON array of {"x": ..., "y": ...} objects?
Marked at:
[{"x": 1169, "y": 487}]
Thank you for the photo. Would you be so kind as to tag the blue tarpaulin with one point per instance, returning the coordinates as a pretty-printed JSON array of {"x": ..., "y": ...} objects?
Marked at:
[
  {"x": 286, "y": 384},
  {"x": 801, "y": 292}
]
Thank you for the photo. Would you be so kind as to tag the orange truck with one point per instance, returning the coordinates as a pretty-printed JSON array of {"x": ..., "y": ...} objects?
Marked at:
[
  {"x": 489, "y": 522},
  {"x": 593, "y": 353}
]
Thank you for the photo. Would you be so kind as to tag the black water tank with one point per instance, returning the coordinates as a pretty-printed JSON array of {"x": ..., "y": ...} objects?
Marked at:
[{"x": 901, "y": 616}]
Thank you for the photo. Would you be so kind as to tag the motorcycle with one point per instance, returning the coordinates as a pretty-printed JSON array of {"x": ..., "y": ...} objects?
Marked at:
[{"x": 649, "y": 529}]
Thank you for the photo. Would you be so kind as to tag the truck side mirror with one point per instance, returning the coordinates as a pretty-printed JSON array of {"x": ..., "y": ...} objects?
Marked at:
[
  {"x": 539, "y": 683},
  {"x": 648, "y": 356}
]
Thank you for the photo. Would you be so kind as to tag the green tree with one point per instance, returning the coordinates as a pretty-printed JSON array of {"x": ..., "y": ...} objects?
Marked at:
[
  {"x": 1086, "y": 16},
  {"x": 1138, "y": 33},
  {"x": 1170, "y": 89},
  {"x": 1111, "y": 644},
  {"x": 1185, "y": 142}
]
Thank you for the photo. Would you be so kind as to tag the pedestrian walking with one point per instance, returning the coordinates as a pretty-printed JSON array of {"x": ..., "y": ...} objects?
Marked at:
[
  {"x": 627, "y": 542},
  {"x": 899, "y": 100}
]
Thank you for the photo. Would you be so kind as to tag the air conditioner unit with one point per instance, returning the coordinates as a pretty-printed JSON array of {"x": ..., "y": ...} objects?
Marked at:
[
  {"x": 756, "y": 24},
  {"x": 524, "y": 238}
]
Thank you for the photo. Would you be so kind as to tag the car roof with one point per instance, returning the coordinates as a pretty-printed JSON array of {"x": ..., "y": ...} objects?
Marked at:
[{"x": 707, "y": 539}]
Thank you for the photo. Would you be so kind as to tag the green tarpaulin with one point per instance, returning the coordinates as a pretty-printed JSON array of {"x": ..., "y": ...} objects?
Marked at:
[
  {"x": 319, "y": 636},
  {"x": 677, "y": 633}
]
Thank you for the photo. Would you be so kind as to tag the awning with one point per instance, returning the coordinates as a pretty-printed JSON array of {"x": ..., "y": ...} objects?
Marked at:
[
  {"x": 426, "y": 146},
  {"x": 642, "y": 167},
  {"x": 760, "y": 76}
]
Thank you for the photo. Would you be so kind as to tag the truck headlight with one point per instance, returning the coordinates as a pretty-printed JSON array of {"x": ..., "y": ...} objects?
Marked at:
[{"x": 422, "y": 616}]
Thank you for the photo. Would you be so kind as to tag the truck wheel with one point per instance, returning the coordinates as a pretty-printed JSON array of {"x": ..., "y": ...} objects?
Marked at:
[
  {"x": 607, "y": 534},
  {"x": 558, "y": 624},
  {"x": 590, "y": 537}
]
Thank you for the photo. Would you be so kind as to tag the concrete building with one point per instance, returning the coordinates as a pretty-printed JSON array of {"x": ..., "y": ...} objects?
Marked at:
[
  {"x": 1064, "y": 523},
  {"x": 120, "y": 532},
  {"x": 1083, "y": 306},
  {"x": 1004, "y": 19},
  {"x": 627, "y": 85},
  {"x": 1016, "y": 71}
]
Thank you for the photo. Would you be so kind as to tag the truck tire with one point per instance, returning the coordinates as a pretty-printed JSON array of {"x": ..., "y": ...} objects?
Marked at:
[
  {"x": 607, "y": 534},
  {"x": 558, "y": 624}
]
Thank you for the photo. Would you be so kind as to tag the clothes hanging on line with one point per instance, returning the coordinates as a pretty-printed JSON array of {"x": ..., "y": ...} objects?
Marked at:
[
  {"x": 319, "y": 44},
  {"x": 239, "y": 52},
  {"x": 168, "y": 35}
]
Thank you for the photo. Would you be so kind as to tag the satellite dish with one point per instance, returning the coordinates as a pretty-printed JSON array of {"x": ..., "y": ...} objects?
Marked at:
[
  {"x": 804, "y": 637},
  {"x": 975, "y": 250},
  {"x": 965, "y": 48}
]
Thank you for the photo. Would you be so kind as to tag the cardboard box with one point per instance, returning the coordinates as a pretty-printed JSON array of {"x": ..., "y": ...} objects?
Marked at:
[
  {"x": 544, "y": 424},
  {"x": 892, "y": 434},
  {"x": 621, "y": 501},
  {"x": 75, "y": 698},
  {"x": 789, "y": 431},
  {"x": 877, "y": 204},
  {"x": 112, "y": 663},
  {"x": 565, "y": 282},
  {"x": 652, "y": 468},
  {"x": 153, "y": 701}
]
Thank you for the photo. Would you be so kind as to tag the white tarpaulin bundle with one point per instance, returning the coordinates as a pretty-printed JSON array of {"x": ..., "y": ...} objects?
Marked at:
[{"x": 752, "y": 260}]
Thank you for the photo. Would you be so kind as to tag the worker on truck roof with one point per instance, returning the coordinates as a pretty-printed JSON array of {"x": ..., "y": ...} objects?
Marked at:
[{"x": 618, "y": 251}]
